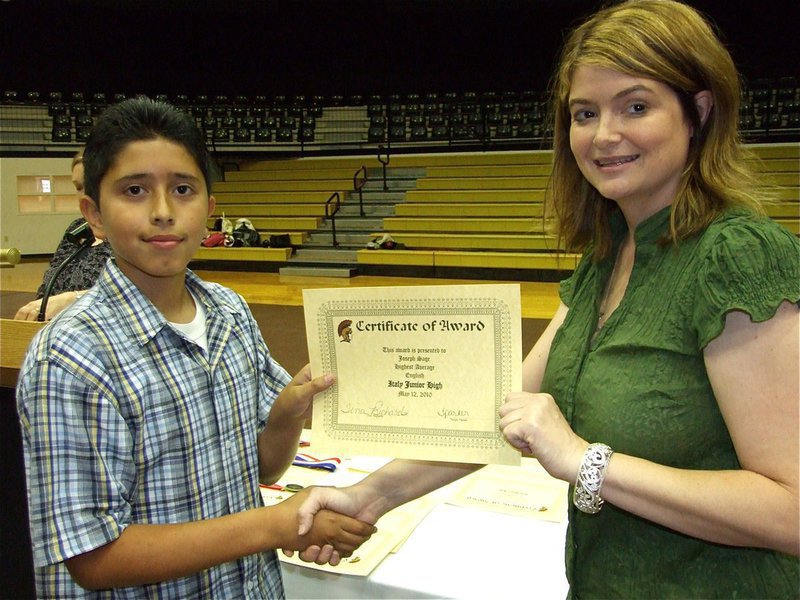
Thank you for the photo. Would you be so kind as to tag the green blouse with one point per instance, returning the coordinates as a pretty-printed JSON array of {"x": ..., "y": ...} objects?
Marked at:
[{"x": 641, "y": 387}]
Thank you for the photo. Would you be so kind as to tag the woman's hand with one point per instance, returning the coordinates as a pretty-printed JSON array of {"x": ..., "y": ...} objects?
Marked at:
[
  {"x": 534, "y": 424},
  {"x": 57, "y": 303}
]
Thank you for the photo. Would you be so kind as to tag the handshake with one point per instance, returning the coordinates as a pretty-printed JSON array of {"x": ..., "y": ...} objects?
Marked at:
[{"x": 325, "y": 524}]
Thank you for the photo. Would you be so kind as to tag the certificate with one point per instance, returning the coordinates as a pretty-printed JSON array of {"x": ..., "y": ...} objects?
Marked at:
[
  {"x": 525, "y": 491},
  {"x": 421, "y": 370}
]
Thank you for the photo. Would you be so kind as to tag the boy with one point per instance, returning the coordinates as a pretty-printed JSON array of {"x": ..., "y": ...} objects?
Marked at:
[{"x": 151, "y": 408}]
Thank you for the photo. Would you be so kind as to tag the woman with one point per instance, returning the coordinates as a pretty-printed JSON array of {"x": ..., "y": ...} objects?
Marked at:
[
  {"x": 676, "y": 344},
  {"x": 77, "y": 276},
  {"x": 667, "y": 384}
]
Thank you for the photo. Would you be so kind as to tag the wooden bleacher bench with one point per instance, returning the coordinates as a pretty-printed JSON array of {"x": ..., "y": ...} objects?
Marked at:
[
  {"x": 530, "y": 225},
  {"x": 280, "y": 174},
  {"x": 463, "y": 171},
  {"x": 272, "y": 209},
  {"x": 325, "y": 186},
  {"x": 470, "y": 210},
  {"x": 278, "y": 223},
  {"x": 473, "y": 195},
  {"x": 529, "y": 242},
  {"x": 487, "y": 182},
  {"x": 244, "y": 254},
  {"x": 266, "y": 197},
  {"x": 468, "y": 259}
]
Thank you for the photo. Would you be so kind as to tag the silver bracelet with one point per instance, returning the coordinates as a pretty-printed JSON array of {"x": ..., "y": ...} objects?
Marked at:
[{"x": 586, "y": 497}]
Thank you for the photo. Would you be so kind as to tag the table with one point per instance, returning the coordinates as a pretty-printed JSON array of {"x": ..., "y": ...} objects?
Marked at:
[{"x": 455, "y": 552}]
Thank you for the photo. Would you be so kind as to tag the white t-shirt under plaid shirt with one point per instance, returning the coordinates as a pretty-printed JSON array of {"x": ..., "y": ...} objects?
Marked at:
[{"x": 126, "y": 421}]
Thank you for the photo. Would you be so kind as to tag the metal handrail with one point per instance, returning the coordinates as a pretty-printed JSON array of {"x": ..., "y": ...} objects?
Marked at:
[
  {"x": 358, "y": 186},
  {"x": 331, "y": 214},
  {"x": 384, "y": 163}
]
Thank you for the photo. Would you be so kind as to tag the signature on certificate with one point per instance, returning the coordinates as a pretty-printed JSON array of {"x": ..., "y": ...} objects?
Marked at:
[
  {"x": 454, "y": 414},
  {"x": 378, "y": 410}
]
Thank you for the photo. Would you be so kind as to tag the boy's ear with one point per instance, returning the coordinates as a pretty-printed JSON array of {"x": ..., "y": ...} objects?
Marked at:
[
  {"x": 212, "y": 204},
  {"x": 93, "y": 216}
]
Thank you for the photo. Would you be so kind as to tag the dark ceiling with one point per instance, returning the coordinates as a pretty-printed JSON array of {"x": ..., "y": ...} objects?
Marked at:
[{"x": 328, "y": 46}]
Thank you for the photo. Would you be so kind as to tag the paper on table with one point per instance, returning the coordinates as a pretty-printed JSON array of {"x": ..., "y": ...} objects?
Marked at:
[
  {"x": 525, "y": 491},
  {"x": 393, "y": 529},
  {"x": 422, "y": 370}
]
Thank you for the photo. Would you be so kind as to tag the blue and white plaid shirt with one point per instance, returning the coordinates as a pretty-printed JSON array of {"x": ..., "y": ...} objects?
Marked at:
[{"x": 126, "y": 421}]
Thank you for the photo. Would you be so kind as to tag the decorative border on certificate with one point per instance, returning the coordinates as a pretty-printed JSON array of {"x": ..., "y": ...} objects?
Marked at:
[{"x": 422, "y": 371}]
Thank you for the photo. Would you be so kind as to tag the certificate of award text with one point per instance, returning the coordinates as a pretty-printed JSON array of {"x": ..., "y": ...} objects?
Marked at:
[{"x": 421, "y": 370}]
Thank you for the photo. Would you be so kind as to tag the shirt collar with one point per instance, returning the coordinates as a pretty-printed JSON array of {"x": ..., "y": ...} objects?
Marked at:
[
  {"x": 141, "y": 316},
  {"x": 648, "y": 231}
]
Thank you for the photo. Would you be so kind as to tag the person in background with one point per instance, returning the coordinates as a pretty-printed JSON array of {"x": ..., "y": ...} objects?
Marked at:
[
  {"x": 151, "y": 408},
  {"x": 666, "y": 388},
  {"x": 79, "y": 275}
]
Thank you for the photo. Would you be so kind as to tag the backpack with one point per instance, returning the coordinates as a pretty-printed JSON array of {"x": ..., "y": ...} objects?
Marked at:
[
  {"x": 245, "y": 235},
  {"x": 280, "y": 240}
]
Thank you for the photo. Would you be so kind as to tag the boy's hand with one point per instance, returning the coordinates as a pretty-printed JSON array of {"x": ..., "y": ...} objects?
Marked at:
[
  {"x": 341, "y": 533},
  {"x": 297, "y": 397},
  {"x": 341, "y": 500}
]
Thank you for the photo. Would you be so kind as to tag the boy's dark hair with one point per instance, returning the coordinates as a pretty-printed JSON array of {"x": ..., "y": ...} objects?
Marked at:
[{"x": 139, "y": 119}]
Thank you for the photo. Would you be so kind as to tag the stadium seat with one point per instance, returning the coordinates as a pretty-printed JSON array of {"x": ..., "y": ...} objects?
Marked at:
[
  {"x": 61, "y": 134},
  {"x": 440, "y": 132},
  {"x": 503, "y": 131},
  {"x": 525, "y": 130},
  {"x": 57, "y": 109},
  {"x": 397, "y": 133},
  {"x": 82, "y": 133},
  {"x": 284, "y": 134},
  {"x": 419, "y": 132},
  {"x": 376, "y": 133}
]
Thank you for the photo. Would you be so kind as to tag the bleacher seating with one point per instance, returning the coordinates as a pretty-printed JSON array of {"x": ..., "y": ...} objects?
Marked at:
[
  {"x": 466, "y": 209},
  {"x": 770, "y": 112}
]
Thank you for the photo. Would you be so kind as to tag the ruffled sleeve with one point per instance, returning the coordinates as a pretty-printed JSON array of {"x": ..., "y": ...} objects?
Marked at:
[{"x": 750, "y": 266}]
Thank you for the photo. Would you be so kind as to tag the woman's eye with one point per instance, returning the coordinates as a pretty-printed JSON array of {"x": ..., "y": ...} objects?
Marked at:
[
  {"x": 581, "y": 115},
  {"x": 638, "y": 108}
]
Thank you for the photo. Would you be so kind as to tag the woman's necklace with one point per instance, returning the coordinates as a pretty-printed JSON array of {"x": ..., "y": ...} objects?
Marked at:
[{"x": 603, "y": 315}]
